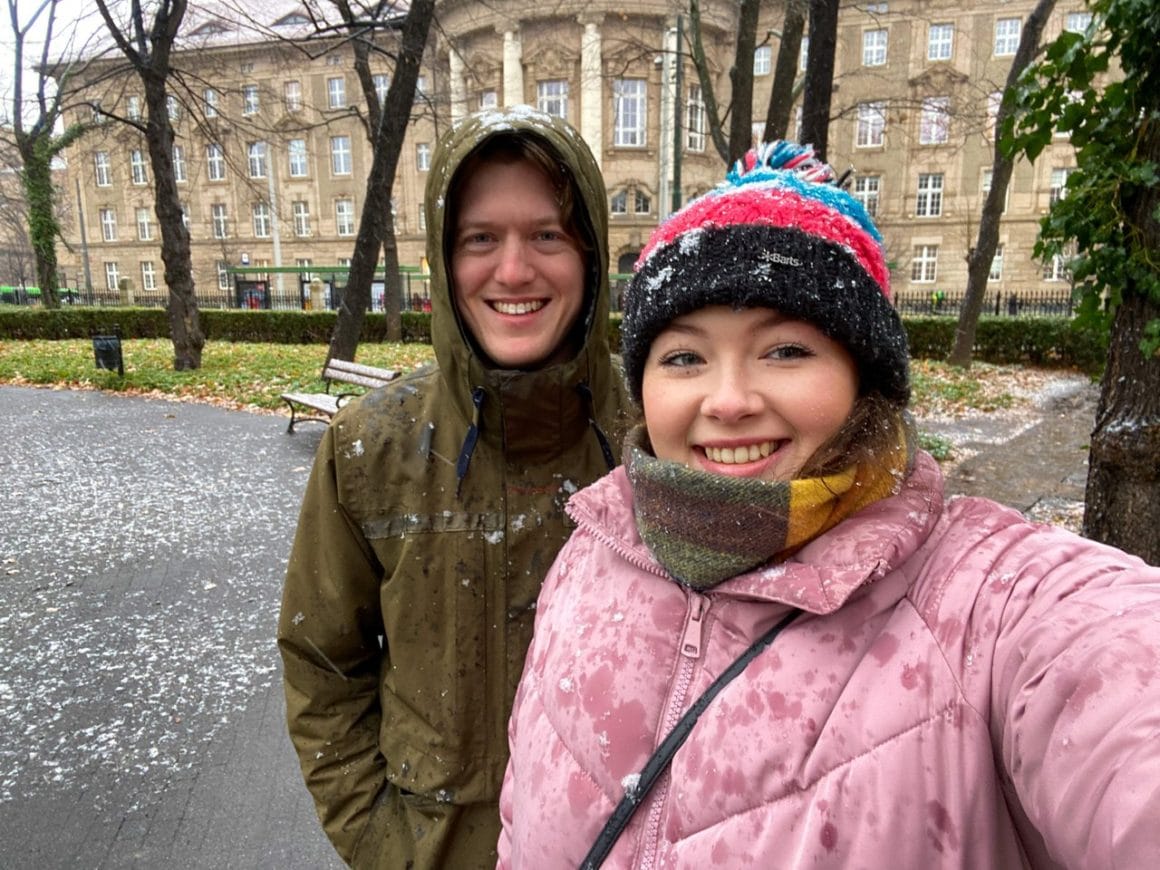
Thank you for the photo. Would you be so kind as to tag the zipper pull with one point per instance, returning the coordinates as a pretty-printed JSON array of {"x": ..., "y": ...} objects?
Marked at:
[{"x": 694, "y": 622}]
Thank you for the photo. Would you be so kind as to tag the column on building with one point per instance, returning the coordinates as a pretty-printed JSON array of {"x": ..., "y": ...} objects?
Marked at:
[
  {"x": 513, "y": 69},
  {"x": 457, "y": 87},
  {"x": 592, "y": 86}
]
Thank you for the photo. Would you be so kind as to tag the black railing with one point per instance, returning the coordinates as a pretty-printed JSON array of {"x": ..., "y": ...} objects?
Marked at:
[{"x": 1035, "y": 301}]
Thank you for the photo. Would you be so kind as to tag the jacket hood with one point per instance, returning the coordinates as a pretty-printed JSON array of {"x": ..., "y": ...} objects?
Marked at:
[{"x": 461, "y": 364}]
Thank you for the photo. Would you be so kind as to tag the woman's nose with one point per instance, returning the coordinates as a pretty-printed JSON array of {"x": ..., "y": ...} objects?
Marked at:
[
  {"x": 732, "y": 396},
  {"x": 514, "y": 268}
]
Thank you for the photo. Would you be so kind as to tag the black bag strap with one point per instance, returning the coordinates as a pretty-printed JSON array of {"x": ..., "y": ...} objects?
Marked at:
[{"x": 655, "y": 766}]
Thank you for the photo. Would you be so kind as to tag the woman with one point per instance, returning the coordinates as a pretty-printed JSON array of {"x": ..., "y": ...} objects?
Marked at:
[{"x": 952, "y": 686}]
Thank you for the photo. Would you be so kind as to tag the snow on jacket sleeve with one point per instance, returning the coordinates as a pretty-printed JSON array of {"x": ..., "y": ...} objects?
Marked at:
[
  {"x": 1073, "y": 628},
  {"x": 328, "y": 639}
]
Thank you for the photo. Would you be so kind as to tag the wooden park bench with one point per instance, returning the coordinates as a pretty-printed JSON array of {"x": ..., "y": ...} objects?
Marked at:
[{"x": 327, "y": 404}]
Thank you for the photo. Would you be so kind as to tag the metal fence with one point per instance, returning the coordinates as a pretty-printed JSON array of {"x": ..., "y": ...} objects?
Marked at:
[{"x": 1038, "y": 301}]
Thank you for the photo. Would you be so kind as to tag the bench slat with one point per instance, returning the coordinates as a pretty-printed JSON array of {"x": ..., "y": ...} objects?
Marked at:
[{"x": 342, "y": 371}]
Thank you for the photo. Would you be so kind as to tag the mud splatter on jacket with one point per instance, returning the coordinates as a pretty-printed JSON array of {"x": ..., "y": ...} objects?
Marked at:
[{"x": 409, "y": 597}]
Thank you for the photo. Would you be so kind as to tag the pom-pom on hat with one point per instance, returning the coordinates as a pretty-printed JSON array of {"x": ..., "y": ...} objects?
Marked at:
[{"x": 777, "y": 233}]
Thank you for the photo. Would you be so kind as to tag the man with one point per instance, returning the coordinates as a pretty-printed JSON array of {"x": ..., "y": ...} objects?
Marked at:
[{"x": 435, "y": 505}]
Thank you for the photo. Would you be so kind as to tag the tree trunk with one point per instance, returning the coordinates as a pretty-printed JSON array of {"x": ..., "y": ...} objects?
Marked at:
[
  {"x": 741, "y": 78},
  {"x": 979, "y": 261},
  {"x": 392, "y": 283},
  {"x": 184, "y": 322},
  {"x": 43, "y": 228},
  {"x": 782, "y": 96},
  {"x": 820, "y": 75}
]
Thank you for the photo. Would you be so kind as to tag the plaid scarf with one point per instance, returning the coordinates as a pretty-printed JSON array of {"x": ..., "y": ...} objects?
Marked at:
[{"x": 705, "y": 528}]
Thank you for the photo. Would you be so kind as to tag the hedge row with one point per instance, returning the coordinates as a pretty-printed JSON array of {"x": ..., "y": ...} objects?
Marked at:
[{"x": 1042, "y": 341}]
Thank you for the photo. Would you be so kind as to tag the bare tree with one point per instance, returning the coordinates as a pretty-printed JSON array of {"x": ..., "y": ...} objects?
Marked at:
[
  {"x": 147, "y": 46},
  {"x": 983, "y": 252},
  {"x": 819, "y": 87},
  {"x": 785, "y": 91}
]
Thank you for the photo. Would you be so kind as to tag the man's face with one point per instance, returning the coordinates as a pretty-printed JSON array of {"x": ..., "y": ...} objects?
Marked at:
[{"x": 517, "y": 275}]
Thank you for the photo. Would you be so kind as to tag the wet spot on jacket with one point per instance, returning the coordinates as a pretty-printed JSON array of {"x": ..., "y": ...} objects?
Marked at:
[
  {"x": 579, "y": 794},
  {"x": 914, "y": 675},
  {"x": 721, "y": 853},
  {"x": 944, "y": 835},
  {"x": 1088, "y": 686},
  {"x": 829, "y": 836},
  {"x": 884, "y": 648}
]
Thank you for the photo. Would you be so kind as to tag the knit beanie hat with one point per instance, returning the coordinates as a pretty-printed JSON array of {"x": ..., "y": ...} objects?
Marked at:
[{"x": 777, "y": 233}]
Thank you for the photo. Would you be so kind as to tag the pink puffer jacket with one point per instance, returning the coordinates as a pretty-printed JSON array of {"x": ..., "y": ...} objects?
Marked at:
[{"x": 965, "y": 689}]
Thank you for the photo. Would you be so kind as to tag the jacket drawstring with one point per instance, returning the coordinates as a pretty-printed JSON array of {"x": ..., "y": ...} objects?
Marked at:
[
  {"x": 589, "y": 405},
  {"x": 469, "y": 440}
]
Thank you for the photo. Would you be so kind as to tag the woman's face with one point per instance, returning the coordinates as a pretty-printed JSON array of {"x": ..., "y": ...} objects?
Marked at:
[{"x": 745, "y": 393}]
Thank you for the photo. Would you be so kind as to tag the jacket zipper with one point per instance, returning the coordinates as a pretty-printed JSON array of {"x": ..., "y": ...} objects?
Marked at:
[{"x": 690, "y": 653}]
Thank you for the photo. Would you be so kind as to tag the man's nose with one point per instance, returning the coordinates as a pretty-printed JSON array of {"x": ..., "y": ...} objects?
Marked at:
[{"x": 514, "y": 267}]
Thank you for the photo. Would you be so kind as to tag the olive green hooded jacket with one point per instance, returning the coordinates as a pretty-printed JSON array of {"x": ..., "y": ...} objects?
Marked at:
[{"x": 434, "y": 509}]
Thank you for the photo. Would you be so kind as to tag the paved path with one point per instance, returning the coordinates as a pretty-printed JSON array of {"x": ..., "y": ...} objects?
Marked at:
[{"x": 142, "y": 549}]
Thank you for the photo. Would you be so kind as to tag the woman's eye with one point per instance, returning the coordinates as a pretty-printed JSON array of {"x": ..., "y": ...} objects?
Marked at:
[
  {"x": 789, "y": 351},
  {"x": 680, "y": 359}
]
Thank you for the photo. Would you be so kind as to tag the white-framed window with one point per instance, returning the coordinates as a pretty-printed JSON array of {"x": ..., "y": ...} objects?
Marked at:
[
  {"x": 762, "y": 60},
  {"x": 994, "y": 103},
  {"x": 940, "y": 42},
  {"x": 382, "y": 83},
  {"x": 928, "y": 202},
  {"x": 985, "y": 187},
  {"x": 1056, "y": 269},
  {"x": 552, "y": 97},
  {"x": 421, "y": 86},
  {"x": 934, "y": 122},
  {"x": 866, "y": 188},
  {"x": 305, "y": 264},
  {"x": 619, "y": 203},
  {"x": 179, "y": 173},
  {"x": 99, "y": 117},
  {"x": 628, "y": 112},
  {"x": 220, "y": 219},
  {"x": 804, "y": 53},
  {"x": 210, "y": 97},
  {"x": 112, "y": 276},
  {"x": 296, "y": 153},
  {"x": 1077, "y": 22},
  {"x": 488, "y": 99},
  {"x": 1007, "y": 36},
  {"x": 423, "y": 156},
  {"x": 260, "y": 214},
  {"x": 133, "y": 107},
  {"x": 996, "y": 273},
  {"x": 144, "y": 224},
  {"x": 256, "y": 159},
  {"x": 344, "y": 217},
  {"x": 874, "y": 47},
  {"x": 184, "y": 214},
  {"x": 340, "y": 155},
  {"x": 250, "y": 100},
  {"x": 924, "y": 266},
  {"x": 336, "y": 92},
  {"x": 148, "y": 276},
  {"x": 695, "y": 119},
  {"x": 102, "y": 169},
  {"x": 137, "y": 167},
  {"x": 108, "y": 224},
  {"x": 641, "y": 202},
  {"x": 871, "y": 125},
  {"x": 223, "y": 274},
  {"x": 292, "y": 95},
  {"x": 1058, "y": 187},
  {"x": 422, "y": 218},
  {"x": 215, "y": 162},
  {"x": 301, "y": 210},
  {"x": 172, "y": 108}
]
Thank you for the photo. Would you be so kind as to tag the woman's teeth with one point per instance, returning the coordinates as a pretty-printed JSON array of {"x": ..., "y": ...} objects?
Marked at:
[
  {"x": 517, "y": 307},
  {"x": 737, "y": 455}
]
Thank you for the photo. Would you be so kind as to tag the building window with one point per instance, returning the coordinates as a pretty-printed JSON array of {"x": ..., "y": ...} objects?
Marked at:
[
  {"x": 1058, "y": 189},
  {"x": 112, "y": 278},
  {"x": 866, "y": 192},
  {"x": 336, "y": 92},
  {"x": 220, "y": 220},
  {"x": 296, "y": 151},
  {"x": 934, "y": 122},
  {"x": 996, "y": 273},
  {"x": 256, "y": 156},
  {"x": 101, "y": 169},
  {"x": 994, "y": 103},
  {"x": 940, "y": 42},
  {"x": 422, "y": 219},
  {"x": 250, "y": 103},
  {"x": 108, "y": 224},
  {"x": 762, "y": 60},
  {"x": 928, "y": 203},
  {"x": 301, "y": 211},
  {"x": 924, "y": 266},
  {"x": 215, "y": 162},
  {"x": 871, "y": 125},
  {"x": 144, "y": 225},
  {"x": 340, "y": 155},
  {"x": 874, "y": 47},
  {"x": 211, "y": 102},
  {"x": 642, "y": 203},
  {"x": 179, "y": 163},
  {"x": 292, "y": 95},
  {"x": 628, "y": 112},
  {"x": 619, "y": 202},
  {"x": 133, "y": 108},
  {"x": 261, "y": 220},
  {"x": 695, "y": 119},
  {"x": 1077, "y": 22},
  {"x": 148, "y": 276},
  {"x": 421, "y": 87},
  {"x": 488, "y": 99},
  {"x": 382, "y": 83},
  {"x": 137, "y": 169},
  {"x": 1056, "y": 269},
  {"x": 184, "y": 214},
  {"x": 804, "y": 53},
  {"x": 423, "y": 156},
  {"x": 552, "y": 97},
  {"x": 99, "y": 117},
  {"x": 344, "y": 217},
  {"x": 305, "y": 265},
  {"x": 1006, "y": 36},
  {"x": 172, "y": 107},
  {"x": 223, "y": 274}
]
